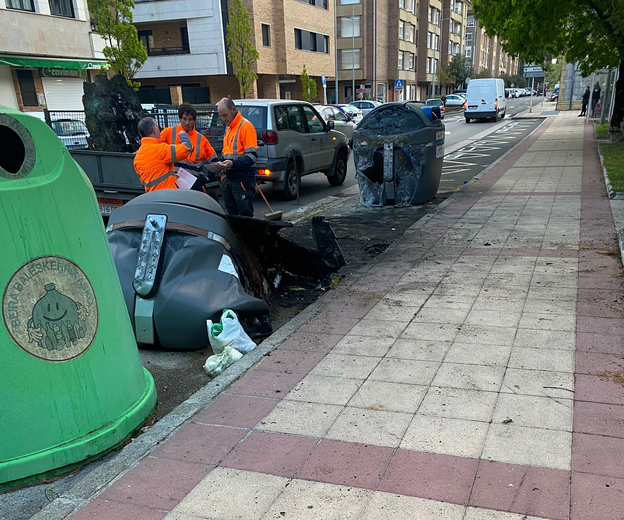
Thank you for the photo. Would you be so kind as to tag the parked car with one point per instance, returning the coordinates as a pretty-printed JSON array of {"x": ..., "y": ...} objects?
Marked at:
[
  {"x": 341, "y": 121},
  {"x": 72, "y": 132},
  {"x": 294, "y": 140},
  {"x": 454, "y": 100},
  {"x": 436, "y": 103},
  {"x": 365, "y": 106},
  {"x": 460, "y": 92},
  {"x": 485, "y": 99},
  {"x": 354, "y": 114}
]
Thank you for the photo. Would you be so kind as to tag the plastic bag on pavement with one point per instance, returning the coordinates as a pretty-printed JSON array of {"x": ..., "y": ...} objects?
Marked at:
[
  {"x": 229, "y": 333},
  {"x": 219, "y": 362}
]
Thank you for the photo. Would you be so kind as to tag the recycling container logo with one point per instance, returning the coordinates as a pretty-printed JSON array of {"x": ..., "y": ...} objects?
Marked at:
[{"x": 50, "y": 310}]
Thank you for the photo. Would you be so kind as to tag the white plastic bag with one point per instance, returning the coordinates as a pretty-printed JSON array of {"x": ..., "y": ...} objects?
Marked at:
[
  {"x": 219, "y": 362},
  {"x": 229, "y": 333}
]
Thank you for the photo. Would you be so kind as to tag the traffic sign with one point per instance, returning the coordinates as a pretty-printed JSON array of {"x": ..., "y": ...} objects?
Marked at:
[
  {"x": 398, "y": 85},
  {"x": 533, "y": 72},
  {"x": 323, "y": 79}
]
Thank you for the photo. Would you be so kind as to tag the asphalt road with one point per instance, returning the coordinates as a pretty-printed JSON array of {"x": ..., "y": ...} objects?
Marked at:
[{"x": 315, "y": 187}]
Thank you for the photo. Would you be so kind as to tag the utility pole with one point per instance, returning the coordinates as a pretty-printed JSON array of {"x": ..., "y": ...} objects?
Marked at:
[
  {"x": 336, "y": 49},
  {"x": 352, "y": 53}
]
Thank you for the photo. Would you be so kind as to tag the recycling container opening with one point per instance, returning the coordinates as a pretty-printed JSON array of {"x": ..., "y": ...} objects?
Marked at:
[{"x": 12, "y": 162}]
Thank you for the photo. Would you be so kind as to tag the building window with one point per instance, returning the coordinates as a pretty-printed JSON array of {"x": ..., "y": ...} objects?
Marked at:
[
  {"x": 436, "y": 17},
  {"x": 401, "y": 30},
  {"x": 22, "y": 5},
  {"x": 350, "y": 59},
  {"x": 410, "y": 61},
  {"x": 470, "y": 20},
  {"x": 186, "y": 48},
  {"x": 401, "y": 4},
  {"x": 350, "y": 26},
  {"x": 147, "y": 39},
  {"x": 266, "y": 35},
  {"x": 458, "y": 8},
  {"x": 316, "y": 3},
  {"x": 346, "y": 2},
  {"x": 62, "y": 8},
  {"x": 457, "y": 29},
  {"x": 309, "y": 41},
  {"x": 469, "y": 39},
  {"x": 409, "y": 6},
  {"x": 409, "y": 32},
  {"x": 400, "y": 60},
  {"x": 27, "y": 88},
  {"x": 468, "y": 52}
]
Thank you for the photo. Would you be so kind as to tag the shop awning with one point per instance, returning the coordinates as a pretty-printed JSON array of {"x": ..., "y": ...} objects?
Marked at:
[{"x": 51, "y": 63}]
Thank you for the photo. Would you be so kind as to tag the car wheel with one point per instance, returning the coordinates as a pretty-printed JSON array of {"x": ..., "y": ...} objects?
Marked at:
[
  {"x": 340, "y": 171},
  {"x": 504, "y": 114},
  {"x": 467, "y": 120},
  {"x": 290, "y": 188}
]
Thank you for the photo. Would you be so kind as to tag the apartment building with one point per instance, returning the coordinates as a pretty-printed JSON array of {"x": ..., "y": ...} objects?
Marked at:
[
  {"x": 377, "y": 42},
  {"x": 486, "y": 53},
  {"x": 48, "y": 48},
  {"x": 185, "y": 40}
]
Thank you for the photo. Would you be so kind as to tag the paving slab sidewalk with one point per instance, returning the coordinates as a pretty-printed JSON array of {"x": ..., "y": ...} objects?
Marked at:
[{"x": 475, "y": 372}]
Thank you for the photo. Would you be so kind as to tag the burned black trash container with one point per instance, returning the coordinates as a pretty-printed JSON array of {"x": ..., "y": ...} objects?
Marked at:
[
  {"x": 399, "y": 150},
  {"x": 179, "y": 264}
]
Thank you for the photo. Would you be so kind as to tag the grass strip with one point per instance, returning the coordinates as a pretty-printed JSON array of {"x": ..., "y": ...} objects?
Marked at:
[{"x": 613, "y": 154}]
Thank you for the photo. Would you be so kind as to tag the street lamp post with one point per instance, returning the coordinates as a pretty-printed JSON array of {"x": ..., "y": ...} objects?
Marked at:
[{"x": 352, "y": 53}]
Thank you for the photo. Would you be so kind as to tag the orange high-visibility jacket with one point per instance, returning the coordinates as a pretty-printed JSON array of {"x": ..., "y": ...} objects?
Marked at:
[
  {"x": 154, "y": 163},
  {"x": 240, "y": 146},
  {"x": 203, "y": 152}
]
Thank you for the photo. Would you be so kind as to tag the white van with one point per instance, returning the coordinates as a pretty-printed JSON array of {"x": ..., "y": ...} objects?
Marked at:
[{"x": 485, "y": 99}]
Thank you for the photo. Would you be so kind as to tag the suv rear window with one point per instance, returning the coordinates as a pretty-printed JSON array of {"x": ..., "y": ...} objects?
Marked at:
[{"x": 255, "y": 115}]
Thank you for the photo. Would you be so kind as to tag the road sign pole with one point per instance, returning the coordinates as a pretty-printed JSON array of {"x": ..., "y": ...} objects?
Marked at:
[
  {"x": 325, "y": 94},
  {"x": 531, "y": 102}
]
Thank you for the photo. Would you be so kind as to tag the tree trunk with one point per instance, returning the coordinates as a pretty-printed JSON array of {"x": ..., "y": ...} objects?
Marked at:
[{"x": 618, "y": 107}]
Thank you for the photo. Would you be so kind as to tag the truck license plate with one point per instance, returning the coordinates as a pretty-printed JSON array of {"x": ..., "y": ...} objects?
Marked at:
[
  {"x": 107, "y": 206},
  {"x": 439, "y": 151}
]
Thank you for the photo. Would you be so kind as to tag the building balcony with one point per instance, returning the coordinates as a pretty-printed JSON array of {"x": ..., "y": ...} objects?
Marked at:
[{"x": 168, "y": 51}]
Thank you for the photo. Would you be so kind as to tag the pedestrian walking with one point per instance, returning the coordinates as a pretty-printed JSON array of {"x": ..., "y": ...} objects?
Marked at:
[
  {"x": 585, "y": 102},
  {"x": 595, "y": 98},
  {"x": 203, "y": 152},
  {"x": 154, "y": 160},
  {"x": 237, "y": 161}
]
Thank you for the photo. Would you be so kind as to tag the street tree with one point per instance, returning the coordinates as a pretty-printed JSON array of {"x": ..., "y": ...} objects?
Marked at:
[
  {"x": 242, "y": 53},
  {"x": 460, "y": 68},
  {"x": 589, "y": 32},
  {"x": 308, "y": 86},
  {"x": 124, "y": 51}
]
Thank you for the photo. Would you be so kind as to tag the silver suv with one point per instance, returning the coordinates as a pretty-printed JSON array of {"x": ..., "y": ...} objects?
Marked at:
[{"x": 293, "y": 139}]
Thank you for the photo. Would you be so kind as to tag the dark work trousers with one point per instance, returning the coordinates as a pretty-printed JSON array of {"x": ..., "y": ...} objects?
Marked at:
[{"x": 238, "y": 197}]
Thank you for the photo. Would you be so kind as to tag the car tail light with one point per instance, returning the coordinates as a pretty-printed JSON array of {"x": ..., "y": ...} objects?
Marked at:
[
  {"x": 269, "y": 137},
  {"x": 264, "y": 171},
  {"x": 496, "y": 103},
  {"x": 443, "y": 109},
  {"x": 465, "y": 104}
]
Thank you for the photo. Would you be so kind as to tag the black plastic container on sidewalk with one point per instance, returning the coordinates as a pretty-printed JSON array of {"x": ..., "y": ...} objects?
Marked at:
[{"x": 399, "y": 150}]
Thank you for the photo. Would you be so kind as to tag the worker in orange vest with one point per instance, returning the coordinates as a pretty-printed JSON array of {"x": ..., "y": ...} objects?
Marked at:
[
  {"x": 237, "y": 161},
  {"x": 155, "y": 159},
  {"x": 203, "y": 152}
]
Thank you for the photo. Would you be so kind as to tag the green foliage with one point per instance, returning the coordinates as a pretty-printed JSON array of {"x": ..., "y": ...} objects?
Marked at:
[
  {"x": 553, "y": 73},
  {"x": 242, "y": 54},
  {"x": 613, "y": 155},
  {"x": 460, "y": 68},
  {"x": 124, "y": 51},
  {"x": 587, "y": 32},
  {"x": 602, "y": 131},
  {"x": 515, "y": 80},
  {"x": 308, "y": 86},
  {"x": 483, "y": 73}
]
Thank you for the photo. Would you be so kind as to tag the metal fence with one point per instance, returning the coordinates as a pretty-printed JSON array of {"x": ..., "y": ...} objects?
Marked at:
[{"x": 70, "y": 127}]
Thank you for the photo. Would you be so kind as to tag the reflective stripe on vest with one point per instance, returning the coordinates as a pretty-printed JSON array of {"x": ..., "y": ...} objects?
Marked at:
[
  {"x": 174, "y": 138},
  {"x": 158, "y": 180}
]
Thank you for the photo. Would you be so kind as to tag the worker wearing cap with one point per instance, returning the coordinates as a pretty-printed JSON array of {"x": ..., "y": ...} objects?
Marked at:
[
  {"x": 238, "y": 179},
  {"x": 203, "y": 152},
  {"x": 154, "y": 160}
]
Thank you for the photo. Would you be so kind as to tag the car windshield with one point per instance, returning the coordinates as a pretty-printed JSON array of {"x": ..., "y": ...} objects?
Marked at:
[{"x": 67, "y": 128}]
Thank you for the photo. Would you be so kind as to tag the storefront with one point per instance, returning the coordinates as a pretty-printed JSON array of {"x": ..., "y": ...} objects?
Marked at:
[{"x": 32, "y": 84}]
